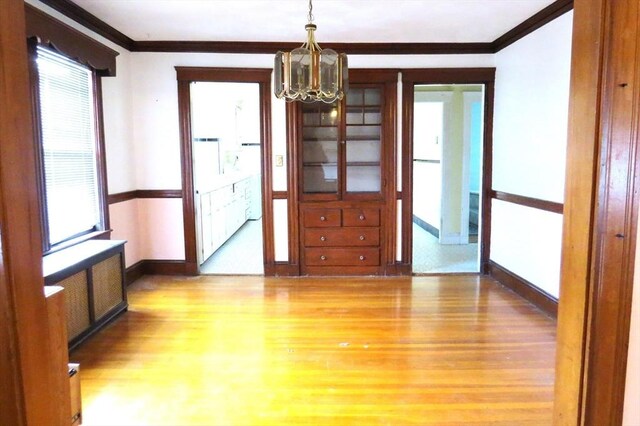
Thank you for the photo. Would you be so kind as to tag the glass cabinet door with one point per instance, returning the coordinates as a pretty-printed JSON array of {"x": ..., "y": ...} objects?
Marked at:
[
  {"x": 363, "y": 139},
  {"x": 320, "y": 139}
]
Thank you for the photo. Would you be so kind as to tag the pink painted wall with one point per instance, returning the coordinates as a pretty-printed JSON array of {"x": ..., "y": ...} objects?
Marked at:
[
  {"x": 161, "y": 228},
  {"x": 124, "y": 223},
  {"x": 152, "y": 227}
]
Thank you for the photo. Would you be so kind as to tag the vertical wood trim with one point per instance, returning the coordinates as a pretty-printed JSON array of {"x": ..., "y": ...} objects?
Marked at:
[
  {"x": 407, "y": 169},
  {"x": 615, "y": 236},
  {"x": 101, "y": 153},
  {"x": 186, "y": 159},
  {"x": 268, "y": 244},
  {"x": 389, "y": 172},
  {"x": 24, "y": 348},
  {"x": 487, "y": 177},
  {"x": 579, "y": 201},
  {"x": 293, "y": 180}
]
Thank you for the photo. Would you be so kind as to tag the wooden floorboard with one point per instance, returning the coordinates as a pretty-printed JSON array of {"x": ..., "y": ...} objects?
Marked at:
[{"x": 457, "y": 350}]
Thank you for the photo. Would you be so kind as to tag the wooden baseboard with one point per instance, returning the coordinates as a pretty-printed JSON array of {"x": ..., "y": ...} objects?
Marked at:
[
  {"x": 159, "y": 267},
  {"x": 398, "y": 269},
  {"x": 282, "y": 269},
  {"x": 524, "y": 288},
  {"x": 134, "y": 272}
]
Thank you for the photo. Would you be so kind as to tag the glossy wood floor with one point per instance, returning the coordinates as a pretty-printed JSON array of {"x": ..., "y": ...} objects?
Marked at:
[{"x": 457, "y": 350}]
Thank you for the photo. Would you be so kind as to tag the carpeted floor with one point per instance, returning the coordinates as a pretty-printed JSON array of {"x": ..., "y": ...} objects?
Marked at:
[{"x": 429, "y": 256}]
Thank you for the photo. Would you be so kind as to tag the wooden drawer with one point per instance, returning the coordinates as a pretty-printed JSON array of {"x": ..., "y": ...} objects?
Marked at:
[
  {"x": 361, "y": 217},
  {"x": 314, "y": 218},
  {"x": 365, "y": 256},
  {"x": 340, "y": 237}
]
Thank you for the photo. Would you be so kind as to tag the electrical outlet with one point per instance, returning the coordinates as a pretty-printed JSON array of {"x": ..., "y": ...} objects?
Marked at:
[{"x": 279, "y": 160}]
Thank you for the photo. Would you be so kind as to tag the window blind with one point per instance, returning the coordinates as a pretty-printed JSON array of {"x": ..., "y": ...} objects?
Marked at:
[{"x": 68, "y": 145}]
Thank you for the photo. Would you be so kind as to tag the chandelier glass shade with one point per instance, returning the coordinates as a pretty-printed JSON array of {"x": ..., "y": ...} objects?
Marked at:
[{"x": 309, "y": 73}]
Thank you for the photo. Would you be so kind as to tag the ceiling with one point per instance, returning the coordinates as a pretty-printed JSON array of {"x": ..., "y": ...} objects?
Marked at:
[{"x": 359, "y": 21}]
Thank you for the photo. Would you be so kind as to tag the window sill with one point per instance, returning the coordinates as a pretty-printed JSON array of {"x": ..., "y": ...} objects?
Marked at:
[{"x": 96, "y": 235}]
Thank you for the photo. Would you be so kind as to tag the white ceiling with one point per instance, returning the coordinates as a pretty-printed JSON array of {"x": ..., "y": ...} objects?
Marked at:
[{"x": 421, "y": 21}]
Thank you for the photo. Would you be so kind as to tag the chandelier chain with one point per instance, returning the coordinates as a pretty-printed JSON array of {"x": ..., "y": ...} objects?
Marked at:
[{"x": 310, "y": 12}]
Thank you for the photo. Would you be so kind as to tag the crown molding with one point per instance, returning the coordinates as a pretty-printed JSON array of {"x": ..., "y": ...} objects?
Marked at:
[
  {"x": 78, "y": 14},
  {"x": 546, "y": 15},
  {"x": 251, "y": 47},
  {"x": 91, "y": 22}
]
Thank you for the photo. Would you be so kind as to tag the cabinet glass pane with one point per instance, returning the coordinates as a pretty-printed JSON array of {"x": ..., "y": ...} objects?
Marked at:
[
  {"x": 372, "y": 97},
  {"x": 363, "y": 178},
  {"x": 363, "y": 140},
  {"x": 320, "y": 135}
]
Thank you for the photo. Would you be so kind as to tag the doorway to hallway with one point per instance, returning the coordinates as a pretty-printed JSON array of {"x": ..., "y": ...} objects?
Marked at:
[{"x": 447, "y": 176}]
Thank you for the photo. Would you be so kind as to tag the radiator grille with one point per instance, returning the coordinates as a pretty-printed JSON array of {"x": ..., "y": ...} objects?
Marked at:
[
  {"x": 107, "y": 285},
  {"x": 77, "y": 301}
]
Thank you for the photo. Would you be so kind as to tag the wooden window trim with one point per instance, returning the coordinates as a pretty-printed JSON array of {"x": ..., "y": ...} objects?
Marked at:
[
  {"x": 102, "y": 229},
  {"x": 69, "y": 42}
]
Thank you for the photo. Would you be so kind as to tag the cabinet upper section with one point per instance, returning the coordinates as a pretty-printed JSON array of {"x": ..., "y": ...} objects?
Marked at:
[{"x": 342, "y": 145}]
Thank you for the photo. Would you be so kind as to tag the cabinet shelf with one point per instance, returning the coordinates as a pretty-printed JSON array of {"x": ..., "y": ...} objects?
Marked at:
[
  {"x": 319, "y": 164},
  {"x": 373, "y": 138},
  {"x": 363, "y": 163}
]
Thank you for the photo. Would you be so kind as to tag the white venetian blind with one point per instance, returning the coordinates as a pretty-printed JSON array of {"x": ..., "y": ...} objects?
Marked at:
[{"x": 69, "y": 146}]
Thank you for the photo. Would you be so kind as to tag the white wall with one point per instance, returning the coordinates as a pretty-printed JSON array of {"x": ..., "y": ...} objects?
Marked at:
[{"x": 529, "y": 143}]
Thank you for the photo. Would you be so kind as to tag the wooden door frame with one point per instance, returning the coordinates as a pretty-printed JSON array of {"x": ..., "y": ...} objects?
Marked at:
[
  {"x": 261, "y": 76},
  {"x": 25, "y": 363},
  {"x": 484, "y": 76},
  {"x": 600, "y": 213}
]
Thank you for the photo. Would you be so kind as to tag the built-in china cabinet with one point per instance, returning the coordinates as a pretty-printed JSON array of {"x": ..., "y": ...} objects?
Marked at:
[{"x": 346, "y": 186}]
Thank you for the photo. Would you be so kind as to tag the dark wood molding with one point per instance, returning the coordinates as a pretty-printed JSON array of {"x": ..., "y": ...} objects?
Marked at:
[
  {"x": 410, "y": 78},
  {"x": 280, "y": 195},
  {"x": 545, "y": 302},
  {"x": 261, "y": 47},
  {"x": 284, "y": 269},
  {"x": 536, "y": 203},
  {"x": 159, "y": 193},
  {"x": 134, "y": 272},
  {"x": 69, "y": 41},
  {"x": 166, "y": 267},
  {"x": 185, "y": 76},
  {"x": 121, "y": 197},
  {"x": 91, "y": 22},
  {"x": 546, "y": 15},
  {"x": 143, "y": 193},
  {"x": 487, "y": 177},
  {"x": 101, "y": 153}
]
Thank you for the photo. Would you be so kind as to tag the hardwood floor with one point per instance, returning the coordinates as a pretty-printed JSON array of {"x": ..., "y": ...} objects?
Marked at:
[{"x": 457, "y": 350}]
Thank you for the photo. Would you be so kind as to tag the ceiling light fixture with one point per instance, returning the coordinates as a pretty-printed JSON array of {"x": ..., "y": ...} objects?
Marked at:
[{"x": 309, "y": 73}]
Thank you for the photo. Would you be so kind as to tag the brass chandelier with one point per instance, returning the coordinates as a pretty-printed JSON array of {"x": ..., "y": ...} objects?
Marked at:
[{"x": 309, "y": 73}]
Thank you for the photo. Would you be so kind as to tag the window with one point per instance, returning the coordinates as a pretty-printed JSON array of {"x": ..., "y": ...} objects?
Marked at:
[{"x": 70, "y": 178}]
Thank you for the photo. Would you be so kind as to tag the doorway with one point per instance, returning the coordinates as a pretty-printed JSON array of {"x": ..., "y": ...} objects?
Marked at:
[
  {"x": 226, "y": 147},
  {"x": 447, "y": 175}
]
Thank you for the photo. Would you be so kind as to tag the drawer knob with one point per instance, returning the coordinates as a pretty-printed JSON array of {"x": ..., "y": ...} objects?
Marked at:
[
  {"x": 361, "y": 237},
  {"x": 322, "y": 218},
  {"x": 323, "y": 238},
  {"x": 361, "y": 257},
  {"x": 361, "y": 217},
  {"x": 323, "y": 257}
]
